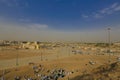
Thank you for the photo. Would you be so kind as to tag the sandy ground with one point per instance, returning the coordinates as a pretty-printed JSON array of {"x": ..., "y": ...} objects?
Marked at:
[
  {"x": 75, "y": 63},
  {"x": 8, "y": 58},
  {"x": 22, "y": 53},
  {"x": 61, "y": 58}
]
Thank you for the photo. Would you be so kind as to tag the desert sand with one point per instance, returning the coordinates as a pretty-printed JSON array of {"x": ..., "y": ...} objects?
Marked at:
[{"x": 59, "y": 58}]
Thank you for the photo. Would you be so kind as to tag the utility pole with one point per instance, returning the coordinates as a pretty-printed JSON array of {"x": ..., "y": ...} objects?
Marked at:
[
  {"x": 41, "y": 55},
  {"x": 17, "y": 58}
]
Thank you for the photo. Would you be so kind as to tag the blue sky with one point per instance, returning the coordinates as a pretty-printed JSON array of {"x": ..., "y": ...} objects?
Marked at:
[{"x": 61, "y": 16}]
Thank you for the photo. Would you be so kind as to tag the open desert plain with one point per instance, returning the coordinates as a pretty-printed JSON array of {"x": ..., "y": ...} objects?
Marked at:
[{"x": 66, "y": 61}]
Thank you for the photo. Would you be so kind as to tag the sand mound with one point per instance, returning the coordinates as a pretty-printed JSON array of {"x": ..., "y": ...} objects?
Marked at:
[{"x": 104, "y": 72}]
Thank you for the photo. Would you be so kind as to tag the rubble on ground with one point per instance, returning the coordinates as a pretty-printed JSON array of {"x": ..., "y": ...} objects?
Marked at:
[{"x": 104, "y": 72}]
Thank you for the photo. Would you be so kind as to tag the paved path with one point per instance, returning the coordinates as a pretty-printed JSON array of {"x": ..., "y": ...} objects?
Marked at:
[{"x": 63, "y": 52}]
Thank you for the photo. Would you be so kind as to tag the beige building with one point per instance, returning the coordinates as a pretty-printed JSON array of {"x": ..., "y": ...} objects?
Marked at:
[{"x": 31, "y": 45}]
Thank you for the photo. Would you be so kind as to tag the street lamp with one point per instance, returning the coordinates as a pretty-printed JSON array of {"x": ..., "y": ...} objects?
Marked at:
[
  {"x": 109, "y": 36},
  {"x": 109, "y": 42}
]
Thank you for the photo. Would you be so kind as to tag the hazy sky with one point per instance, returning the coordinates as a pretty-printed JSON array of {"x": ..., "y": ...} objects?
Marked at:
[{"x": 59, "y": 20}]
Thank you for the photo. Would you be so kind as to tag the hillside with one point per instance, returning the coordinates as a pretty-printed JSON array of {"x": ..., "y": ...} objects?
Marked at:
[{"x": 104, "y": 72}]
